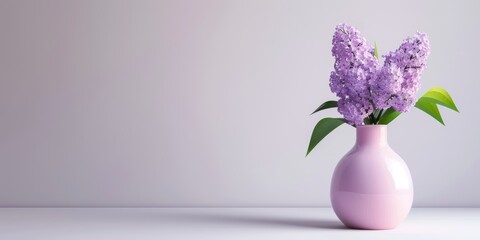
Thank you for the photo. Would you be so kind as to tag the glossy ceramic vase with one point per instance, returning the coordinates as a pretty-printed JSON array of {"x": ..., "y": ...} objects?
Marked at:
[{"x": 371, "y": 186}]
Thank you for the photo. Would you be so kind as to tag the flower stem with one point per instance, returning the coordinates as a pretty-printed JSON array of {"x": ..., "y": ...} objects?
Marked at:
[
  {"x": 379, "y": 116},
  {"x": 372, "y": 119}
]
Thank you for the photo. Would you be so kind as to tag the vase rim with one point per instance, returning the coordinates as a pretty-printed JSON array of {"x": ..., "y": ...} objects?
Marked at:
[
  {"x": 372, "y": 134},
  {"x": 372, "y": 125}
]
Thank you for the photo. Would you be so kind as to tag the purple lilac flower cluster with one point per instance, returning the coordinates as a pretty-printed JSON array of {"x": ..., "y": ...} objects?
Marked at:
[
  {"x": 399, "y": 79},
  {"x": 355, "y": 66},
  {"x": 363, "y": 86}
]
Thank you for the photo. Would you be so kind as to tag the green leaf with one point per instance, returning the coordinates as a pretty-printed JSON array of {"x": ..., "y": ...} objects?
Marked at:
[
  {"x": 430, "y": 108},
  {"x": 326, "y": 105},
  {"x": 376, "y": 51},
  {"x": 388, "y": 116},
  {"x": 322, "y": 129},
  {"x": 440, "y": 96}
]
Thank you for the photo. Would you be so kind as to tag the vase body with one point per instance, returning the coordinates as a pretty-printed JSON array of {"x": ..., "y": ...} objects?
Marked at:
[{"x": 371, "y": 186}]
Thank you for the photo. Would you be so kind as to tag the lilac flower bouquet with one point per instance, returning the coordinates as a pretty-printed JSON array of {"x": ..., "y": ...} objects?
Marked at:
[{"x": 370, "y": 93}]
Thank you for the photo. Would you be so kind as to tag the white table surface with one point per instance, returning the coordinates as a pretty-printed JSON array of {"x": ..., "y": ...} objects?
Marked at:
[{"x": 224, "y": 223}]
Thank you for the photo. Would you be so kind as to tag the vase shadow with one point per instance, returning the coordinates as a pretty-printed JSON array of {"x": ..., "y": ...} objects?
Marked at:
[
  {"x": 282, "y": 222},
  {"x": 259, "y": 221}
]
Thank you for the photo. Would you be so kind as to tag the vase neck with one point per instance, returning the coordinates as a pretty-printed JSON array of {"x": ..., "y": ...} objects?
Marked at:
[{"x": 372, "y": 135}]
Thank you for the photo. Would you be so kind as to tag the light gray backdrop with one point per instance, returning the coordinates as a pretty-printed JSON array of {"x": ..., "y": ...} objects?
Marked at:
[{"x": 206, "y": 103}]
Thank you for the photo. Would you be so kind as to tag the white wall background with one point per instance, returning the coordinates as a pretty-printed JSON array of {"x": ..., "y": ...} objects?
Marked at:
[{"x": 206, "y": 103}]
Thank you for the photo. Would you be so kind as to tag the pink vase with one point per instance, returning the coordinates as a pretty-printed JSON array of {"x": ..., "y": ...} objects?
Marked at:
[{"x": 371, "y": 186}]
